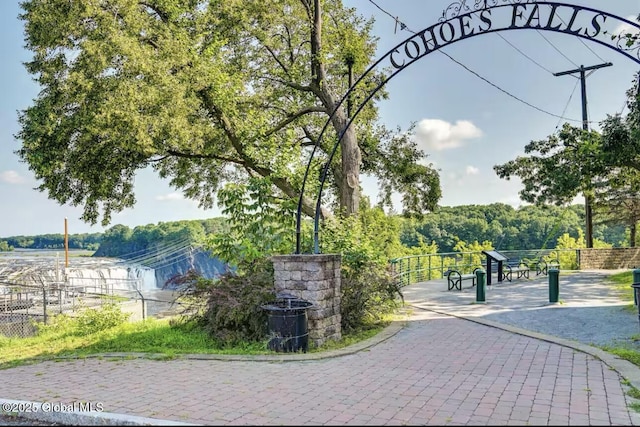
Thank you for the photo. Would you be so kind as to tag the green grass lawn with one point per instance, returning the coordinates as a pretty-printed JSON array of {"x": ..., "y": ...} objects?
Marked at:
[
  {"x": 69, "y": 338},
  {"x": 622, "y": 282}
]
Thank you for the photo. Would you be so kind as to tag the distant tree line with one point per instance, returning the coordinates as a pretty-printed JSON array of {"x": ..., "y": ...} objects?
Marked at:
[
  {"x": 528, "y": 227},
  {"x": 88, "y": 241},
  {"x": 507, "y": 228},
  {"x": 120, "y": 240}
]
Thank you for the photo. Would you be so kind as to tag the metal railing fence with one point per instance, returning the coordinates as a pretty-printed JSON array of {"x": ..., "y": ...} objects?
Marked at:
[{"x": 419, "y": 268}]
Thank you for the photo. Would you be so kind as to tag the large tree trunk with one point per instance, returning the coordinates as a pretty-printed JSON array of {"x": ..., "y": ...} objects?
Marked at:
[
  {"x": 347, "y": 176},
  {"x": 350, "y": 183},
  {"x": 632, "y": 236}
]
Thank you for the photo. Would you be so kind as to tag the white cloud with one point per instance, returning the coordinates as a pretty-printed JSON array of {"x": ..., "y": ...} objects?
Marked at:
[
  {"x": 472, "y": 170},
  {"x": 435, "y": 134},
  {"x": 170, "y": 197},
  {"x": 11, "y": 177},
  {"x": 626, "y": 28}
]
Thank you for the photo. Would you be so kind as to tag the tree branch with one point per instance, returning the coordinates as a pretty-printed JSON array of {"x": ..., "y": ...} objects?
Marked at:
[
  {"x": 273, "y": 55},
  {"x": 164, "y": 17},
  {"x": 313, "y": 140},
  {"x": 292, "y": 117},
  {"x": 248, "y": 163},
  {"x": 291, "y": 57},
  {"x": 175, "y": 153},
  {"x": 292, "y": 85},
  {"x": 307, "y": 6}
]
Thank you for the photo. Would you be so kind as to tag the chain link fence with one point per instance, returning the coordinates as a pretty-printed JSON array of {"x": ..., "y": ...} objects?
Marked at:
[{"x": 31, "y": 299}]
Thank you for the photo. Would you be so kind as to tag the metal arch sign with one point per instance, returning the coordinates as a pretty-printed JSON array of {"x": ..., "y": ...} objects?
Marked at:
[
  {"x": 461, "y": 21},
  {"x": 574, "y": 20}
]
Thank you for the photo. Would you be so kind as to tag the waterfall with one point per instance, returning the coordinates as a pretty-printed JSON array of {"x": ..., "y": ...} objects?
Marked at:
[
  {"x": 144, "y": 277},
  {"x": 85, "y": 274},
  {"x": 112, "y": 276}
]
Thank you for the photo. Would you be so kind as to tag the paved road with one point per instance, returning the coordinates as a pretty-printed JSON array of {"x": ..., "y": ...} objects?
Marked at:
[{"x": 450, "y": 363}]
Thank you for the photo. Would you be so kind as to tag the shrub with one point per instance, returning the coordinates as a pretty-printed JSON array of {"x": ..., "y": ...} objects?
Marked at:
[
  {"x": 228, "y": 307},
  {"x": 368, "y": 294},
  {"x": 368, "y": 289},
  {"x": 87, "y": 321},
  {"x": 93, "y": 320}
]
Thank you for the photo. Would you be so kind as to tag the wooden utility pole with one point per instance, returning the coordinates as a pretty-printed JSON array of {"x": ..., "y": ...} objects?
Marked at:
[
  {"x": 585, "y": 125},
  {"x": 66, "y": 245}
]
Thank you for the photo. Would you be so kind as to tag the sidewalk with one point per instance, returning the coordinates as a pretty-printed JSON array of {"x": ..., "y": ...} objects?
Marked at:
[{"x": 453, "y": 362}]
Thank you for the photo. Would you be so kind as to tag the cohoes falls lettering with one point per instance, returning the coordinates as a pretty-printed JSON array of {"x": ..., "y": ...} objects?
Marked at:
[{"x": 572, "y": 20}]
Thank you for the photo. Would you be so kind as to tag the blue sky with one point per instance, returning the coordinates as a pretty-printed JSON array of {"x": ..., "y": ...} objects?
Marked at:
[{"x": 465, "y": 124}]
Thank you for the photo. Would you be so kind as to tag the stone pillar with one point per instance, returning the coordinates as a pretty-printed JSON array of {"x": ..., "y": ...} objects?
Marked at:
[{"x": 314, "y": 278}]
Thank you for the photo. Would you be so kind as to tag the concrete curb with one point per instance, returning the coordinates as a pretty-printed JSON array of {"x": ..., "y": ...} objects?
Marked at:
[{"x": 46, "y": 412}]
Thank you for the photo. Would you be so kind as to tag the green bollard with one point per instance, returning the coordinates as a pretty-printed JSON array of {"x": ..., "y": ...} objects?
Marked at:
[
  {"x": 636, "y": 289},
  {"x": 481, "y": 285},
  {"x": 554, "y": 286},
  {"x": 636, "y": 279}
]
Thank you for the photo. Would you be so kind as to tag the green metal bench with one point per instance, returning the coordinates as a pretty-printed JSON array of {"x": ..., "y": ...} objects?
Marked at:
[
  {"x": 543, "y": 266},
  {"x": 455, "y": 279},
  {"x": 521, "y": 271}
]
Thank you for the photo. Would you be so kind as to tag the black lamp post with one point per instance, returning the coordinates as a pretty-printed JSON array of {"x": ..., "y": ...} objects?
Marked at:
[{"x": 350, "y": 60}]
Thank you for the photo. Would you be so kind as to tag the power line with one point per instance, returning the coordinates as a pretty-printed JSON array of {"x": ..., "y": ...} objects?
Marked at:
[
  {"x": 506, "y": 92},
  {"x": 160, "y": 251},
  {"x": 630, "y": 96},
  {"x": 580, "y": 40},
  {"x": 583, "y": 77},
  {"x": 395, "y": 18},
  {"x": 524, "y": 54},
  {"x": 554, "y": 46},
  {"x": 575, "y": 86},
  {"x": 405, "y": 27},
  {"x": 384, "y": 11}
]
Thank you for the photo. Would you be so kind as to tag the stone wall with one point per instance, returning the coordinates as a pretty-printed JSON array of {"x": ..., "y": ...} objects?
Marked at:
[
  {"x": 314, "y": 278},
  {"x": 609, "y": 259}
]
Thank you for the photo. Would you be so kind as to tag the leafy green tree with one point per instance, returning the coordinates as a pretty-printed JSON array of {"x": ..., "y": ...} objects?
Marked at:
[
  {"x": 528, "y": 227},
  {"x": 621, "y": 147},
  {"x": 568, "y": 259},
  {"x": 4, "y": 246},
  {"x": 206, "y": 93},
  {"x": 151, "y": 239},
  {"x": 558, "y": 168},
  {"x": 476, "y": 258},
  {"x": 259, "y": 224},
  {"x": 619, "y": 200},
  {"x": 621, "y": 135},
  {"x": 366, "y": 242},
  {"x": 115, "y": 242}
]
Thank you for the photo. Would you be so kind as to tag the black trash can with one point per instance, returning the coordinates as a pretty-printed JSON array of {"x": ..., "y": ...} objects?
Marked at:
[{"x": 287, "y": 321}]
